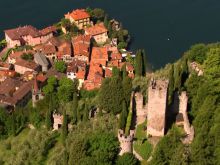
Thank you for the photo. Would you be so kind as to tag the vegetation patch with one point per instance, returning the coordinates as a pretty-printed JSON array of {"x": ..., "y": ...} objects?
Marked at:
[{"x": 143, "y": 148}]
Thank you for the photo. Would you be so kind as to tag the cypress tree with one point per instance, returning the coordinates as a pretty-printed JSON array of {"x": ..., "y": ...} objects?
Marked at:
[
  {"x": 106, "y": 21},
  {"x": 138, "y": 63},
  {"x": 144, "y": 62},
  {"x": 64, "y": 127},
  {"x": 110, "y": 29},
  {"x": 48, "y": 115},
  {"x": 124, "y": 72},
  {"x": 123, "y": 116},
  {"x": 13, "y": 127},
  {"x": 171, "y": 85},
  {"x": 75, "y": 106},
  {"x": 127, "y": 89},
  {"x": 115, "y": 72}
]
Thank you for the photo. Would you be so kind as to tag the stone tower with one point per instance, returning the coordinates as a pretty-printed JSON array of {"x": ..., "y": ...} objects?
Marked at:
[
  {"x": 36, "y": 92},
  {"x": 125, "y": 142},
  {"x": 157, "y": 105},
  {"x": 57, "y": 121}
]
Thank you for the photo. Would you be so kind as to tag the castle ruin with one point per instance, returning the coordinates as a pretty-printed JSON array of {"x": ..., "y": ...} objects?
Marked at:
[
  {"x": 57, "y": 121},
  {"x": 157, "y": 105},
  {"x": 141, "y": 109},
  {"x": 182, "y": 119},
  {"x": 126, "y": 142}
]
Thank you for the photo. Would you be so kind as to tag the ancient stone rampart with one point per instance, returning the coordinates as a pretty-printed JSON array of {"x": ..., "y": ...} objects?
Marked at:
[
  {"x": 196, "y": 68},
  {"x": 157, "y": 105},
  {"x": 125, "y": 141},
  {"x": 183, "y": 101},
  {"x": 57, "y": 121},
  {"x": 141, "y": 109}
]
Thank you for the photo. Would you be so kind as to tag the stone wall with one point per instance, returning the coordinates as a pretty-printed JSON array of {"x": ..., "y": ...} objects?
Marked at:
[
  {"x": 157, "y": 105},
  {"x": 57, "y": 121},
  {"x": 125, "y": 142},
  {"x": 141, "y": 109},
  {"x": 183, "y": 101}
]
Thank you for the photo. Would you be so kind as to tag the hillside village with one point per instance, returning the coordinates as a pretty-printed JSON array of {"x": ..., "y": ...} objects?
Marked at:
[
  {"x": 30, "y": 56},
  {"x": 90, "y": 101}
]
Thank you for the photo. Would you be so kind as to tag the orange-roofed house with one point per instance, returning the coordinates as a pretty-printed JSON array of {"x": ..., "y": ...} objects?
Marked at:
[
  {"x": 130, "y": 70},
  {"x": 22, "y": 66},
  {"x": 4, "y": 74},
  {"x": 99, "y": 55},
  {"x": 28, "y": 35},
  {"x": 95, "y": 77},
  {"x": 81, "y": 47},
  {"x": 48, "y": 49},
  {"x": 98, "y": 32},
  {"x": 65, "y": 52},
  {"x": 14, "y": 56},
  {"x": 108, "y": 72},
  {"x": 80, "y": 17}
]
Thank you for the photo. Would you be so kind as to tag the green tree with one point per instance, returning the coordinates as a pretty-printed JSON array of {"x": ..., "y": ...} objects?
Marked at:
[
  {"x": 66, "y": 89},
  {"x": 103, "y": 147},
  {"x": 197, "y": 53},
  {"x": 98, "y": 14},
  {"x": 212, "y": 64},
  {"x": 115, "y": 72},
  {"x": 106, "y": 21},
  {"x": 139, "y": 63},
  {"x": 123, "y": 116},
  {"x": 110, "y": 95},
  {"x": 64, "y": 127},
  {"x": 75, "y": 106},
  {"x": 127, "y": 159},
  {"x": 51, "y": 86},
  {"x": 127, "y": 89},
  {"x": 167, "y": 148},
  {"x": 27, "y": 56},
  {"x": 49, "y": 114},
  {"x": 66, "y": 24},
  {"x": 60, "y": 66}
]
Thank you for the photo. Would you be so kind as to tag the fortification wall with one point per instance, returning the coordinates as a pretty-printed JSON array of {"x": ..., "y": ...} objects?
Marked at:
[
  {"x": 183, "y": 101},
  {"x": 141, "y": 109},
  {"x": 125, "y": 142},
  {"x": 57, "y": 121},
  {"x": 157, "y": 103}
]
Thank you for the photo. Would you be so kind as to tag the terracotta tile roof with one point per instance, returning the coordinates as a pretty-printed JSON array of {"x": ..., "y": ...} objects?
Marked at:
[
  {"x": 108, "y": 72},
  {"x": 23, "y": 90},
  {"x": 19, "y": 32},
  {"x": 81, "y": 45},
  {"x": 54, "y": 41},
  {"x": 78, "y": 14},
  {"x": 7, "y": 73},
  {"x": 4, "y": 66},
  {"x": 96, "y": 29},
  {"x": 82, "y": 39},
  {"x": 64, "y": 49},
  {"x": 46, "y": 48},
  {"x": 99, "y": 55},
  {"x": 17, "y": 55},
  {"x": 8, "y": 86},
  {"x": 129, "y": 67},
  {"x": 41, "y": 78},
  {"x": 54, "y": 72},
  {"x": 26, "y": 64},
  {"x": 114, "y": 63},
  {"x": 47, "y": 30},
  {"x": 76, "y": 65},
  {"x": 81, "y": 74},
  {"x": 116, "y": 56}
]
